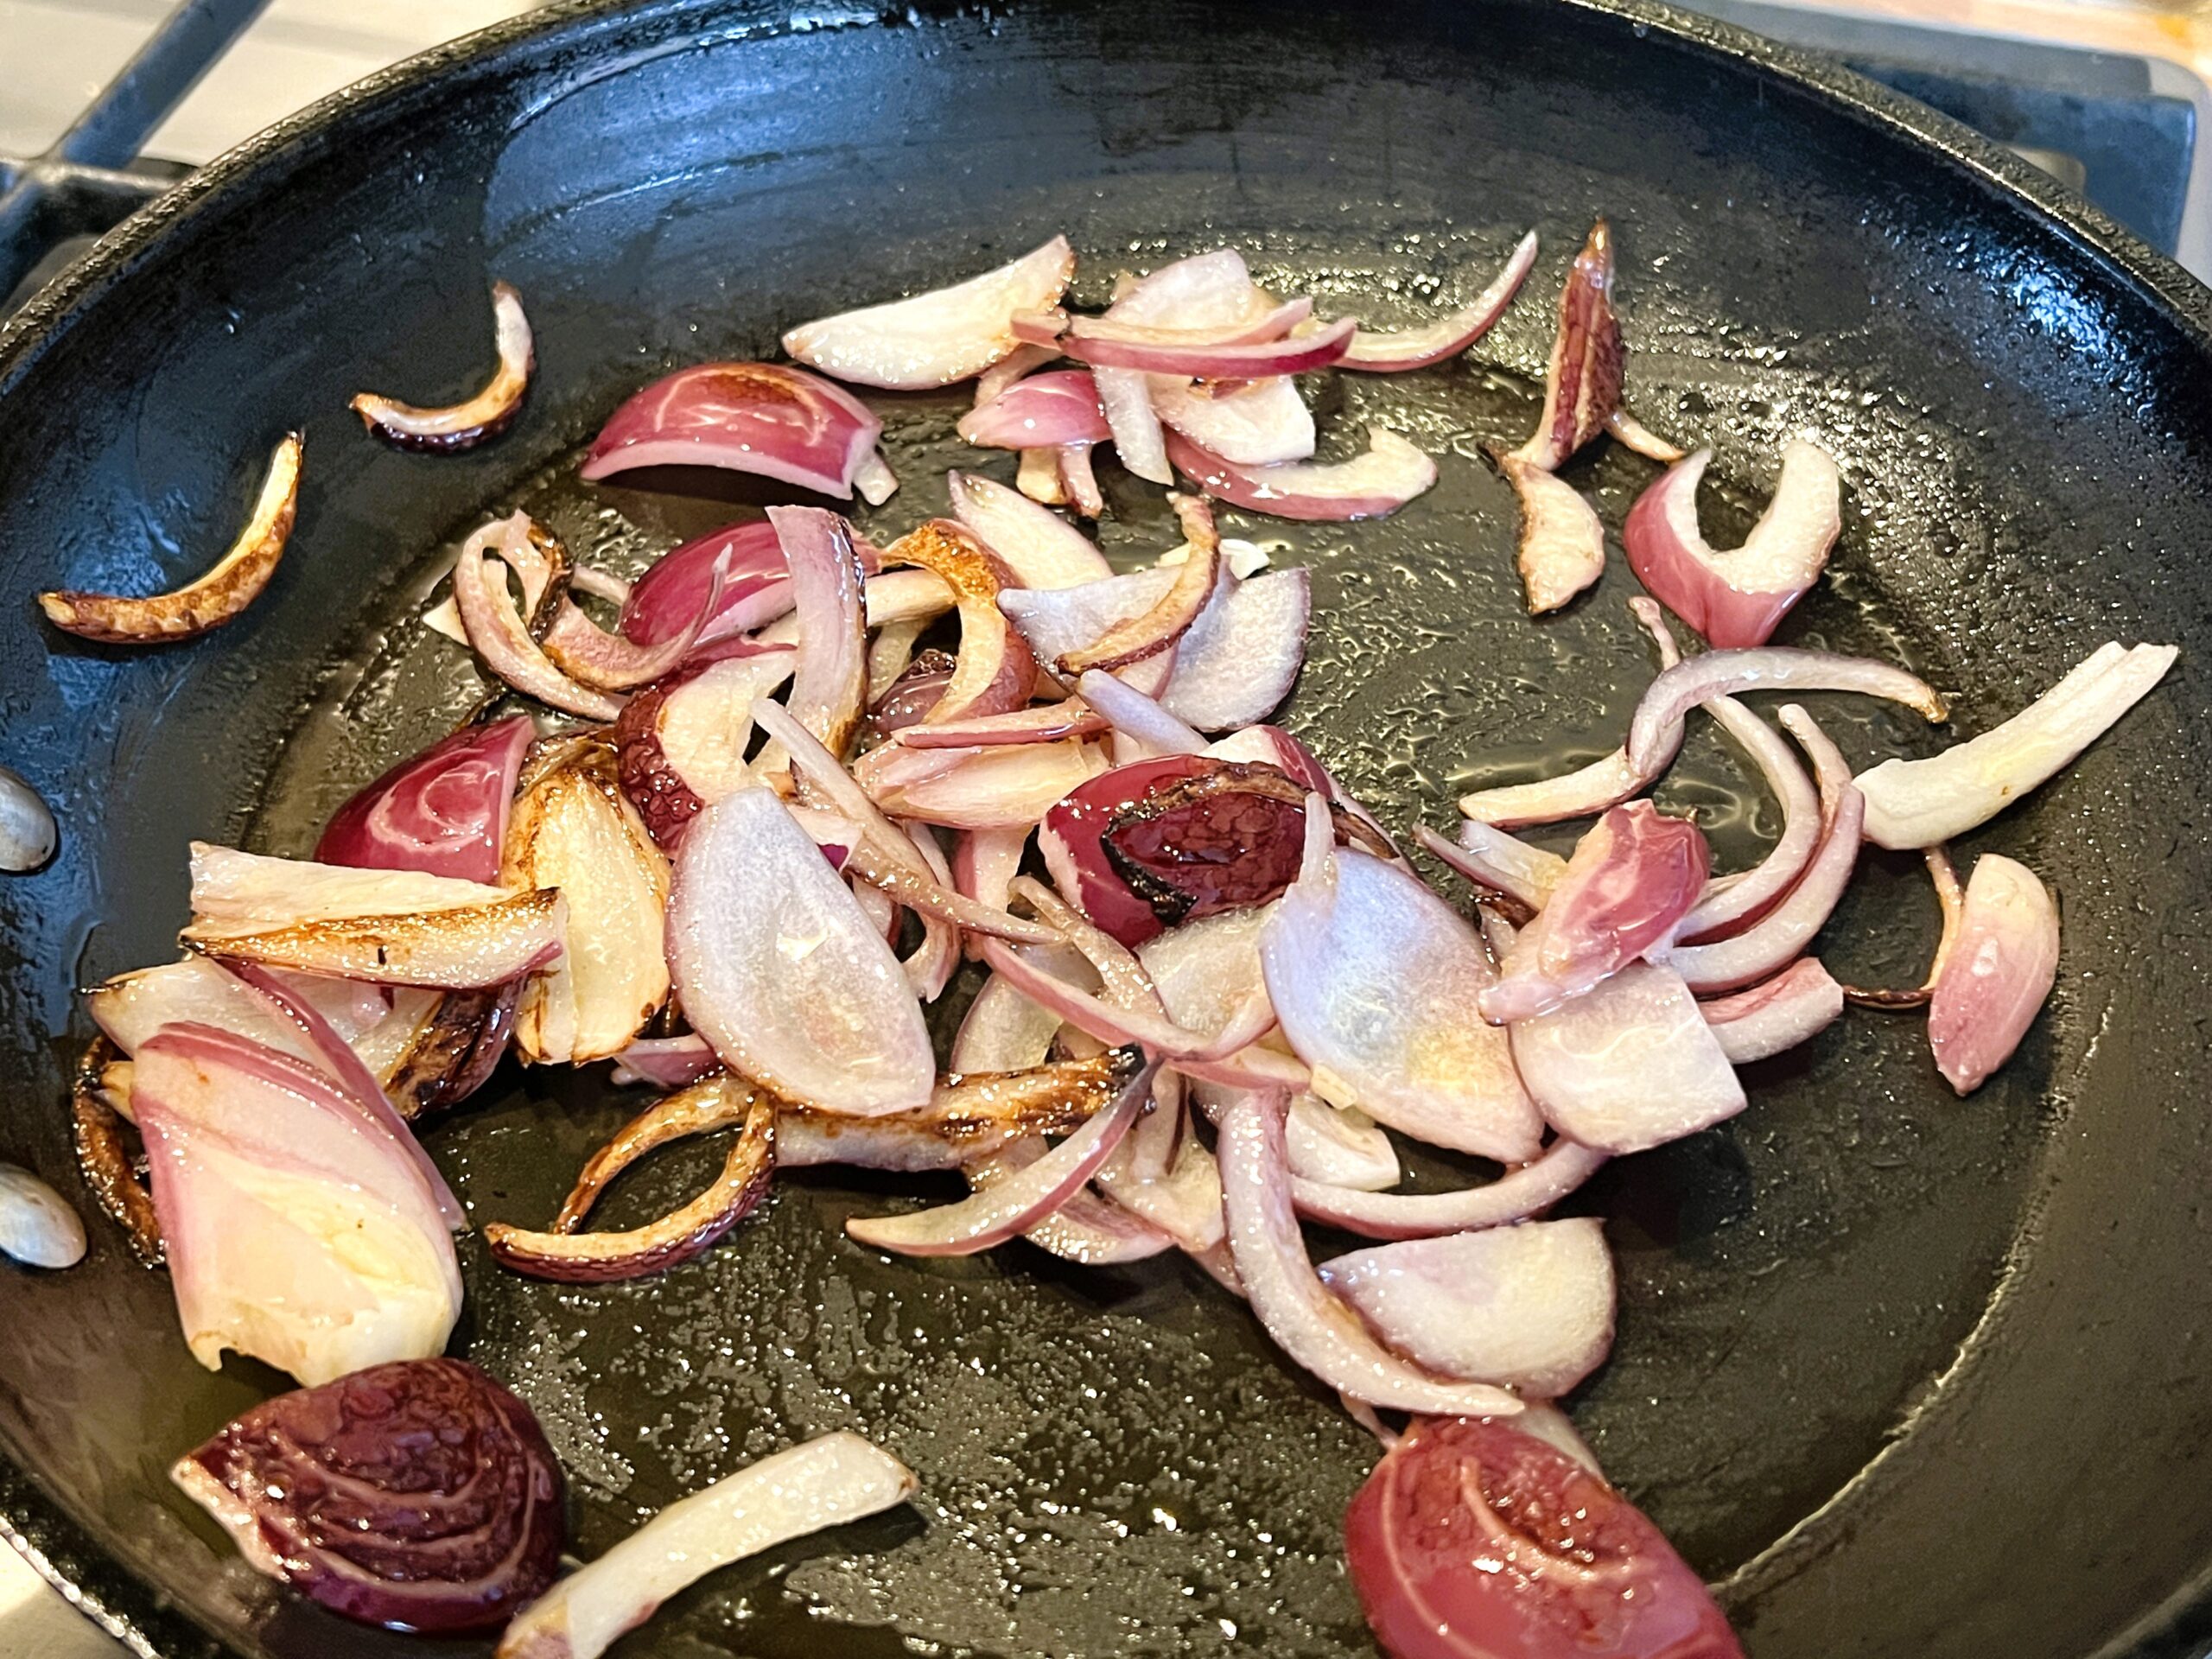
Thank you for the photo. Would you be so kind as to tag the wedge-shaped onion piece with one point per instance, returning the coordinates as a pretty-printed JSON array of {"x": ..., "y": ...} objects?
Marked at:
[
  {"x": 681, "y": 743},
  {"x": 1126, "y": 396},
  {"x": 1797, "y": 1004},
  {"x": 1371, "y": 486},
  {"x": 1530, "y": 1307},
  {"x": 1999, "y": 971},
  {"x": 1629, "y": 1065},
  {"x": 1042, "y": 411},
  {"x": 995, "y": 672},
  {"x": 1060, "y": 622},
  {"x": 828, "y": 1482},
  {"x": 1143, "y": 728},
  {"x": 300, "y": 1230},
  {"x": 1632, "y": 434},
  {"x": 1376, "y": 982},
  {"x": 132, "y": 1008},
  {"x": 935, "y": 338},
  {"x": 689, "y": 1230},
  {"x": 1582, "y": 385},
  {"x": 1782, "y": 935},
  {"x": 1737, "y": 597},
  {"x": 1655, "y": 734},
  {"x": 767, "y": 418},
  {"x": 501, "y": 635},
  {"x": 1310, "y": 1323},
  {"x": 466, "y": 425},
  {"x": 1044, "y": 723},
  {"x": 1004, "y": 786},
  {"x": 747, "y": 559},
  {"x": 1730, "y": 901},
  {"x": 230, "y": 887},
  {"x": 777, "y": 966},
  {"x": 1261, "y": 424},
  {"x": 453, "y": 1051},
  {"x": 574, "y": 829},
  {"x": 1171, "y": 615},
  {"x": 1562, "y": 546},
  {"x": 971, "y": 1115},
  {"x": 418, "y": 1495},
  {"x": 1918, "y": 802},
  {"x": 1632, "y": 881},
  {"x": 1085, "y": 1227},
  {"x": 1071, "y": 841},
  {"x": 1193, "y": 355},
  {"x": 1019, "y": 1199},
  {"x": 1449, "y": 335},
  {"x": 1016, "y": 365},
  {"x": 1242, "y": 655},
  {"x": 1515, "y": 873},
  {"x": 1528, "y": 1190},
  {"x": 1041, "y": 549},
  {"x": 444, "y": 812},
  {"x": 1118, "y": 1020},
  {"x": 227, "y": 588},
  {"x": 37, "y": 1228},
  {"x": 590, "y": 655}
]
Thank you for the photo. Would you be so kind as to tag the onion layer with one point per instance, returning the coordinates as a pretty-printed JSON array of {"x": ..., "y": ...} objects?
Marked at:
[
  {"x": 767, "y": 418},
  {"x": 1582, "y": 385},
  {"x": 1997, "y": 973},
  {"x": 466, "y": 425},
  {"x": 937, "y": 338},
  {"x": 1795, "y": 1005},
  {"x": 1042, "y": 550},
  {"x": 1448, "y": 336},
  {"x": 444, "y": 812},
  {"x": 1371, "y": 485},
  {"x": 1562, "y": 546}
]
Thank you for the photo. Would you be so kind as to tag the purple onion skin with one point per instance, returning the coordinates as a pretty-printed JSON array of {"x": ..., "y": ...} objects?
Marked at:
[{"x": 419, "y": 1496}]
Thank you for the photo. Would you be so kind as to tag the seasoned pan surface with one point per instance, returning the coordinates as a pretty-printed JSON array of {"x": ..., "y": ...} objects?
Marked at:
[{"x": 1905, "y": 1374}]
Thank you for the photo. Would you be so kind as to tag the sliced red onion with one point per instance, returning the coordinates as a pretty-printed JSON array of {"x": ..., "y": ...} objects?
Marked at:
[
  {"x": 828, "y": 1482},
  {"x": 1629, "y": 1065},
  {"x": 1309, "y": 1323},
  {"x": 1515, "y": 1196},
  {"x": 1737, "y": 597},
  {"x": 1044, "y": 411},
  {"x": 1508, "y": 868},
  {"x": 1046, "y": 722},
  {"x": 666, "y": 1062},
  {"x": 1019, "y": 1201},
  {"x": 875, "y": 480},
  {"x": 1449, "y": 335},
  {"x": 1137, "y": 716},
  {"x": 499, "y": 634},
  {"x": 1263, "y": 424},
  {"x": 995, "y": 672},
  {"x": 1376, "y": 982},
  {"x": 1582, "y": 385},
  {"x": 1918, "y": 802},
  {"x": 756, "y": 586},
  {"x": 1126, "y": 396},
  {"x": 830, "y": 679},
  {"x": 1005, "y": 786},
  {"x": 972, "y": 1114},
  {"x": 681, "y": 744},
  {"x": 1951, "y": 899},
  {"x": 1797, "y": 1004},
  {"x": 1072, "y": 836},
  {"x": 1017, "y": 364},
  {"x": 1997, "y": 974},
  {"x": 767, "y": 418},
  {"x": 1170, "y": 616},
  {"x": 1206, "y": 290},
  {"x": 1078, "y": 481},
  {"x": 1372, "y": 486},
  {"x": 466, "y": 425},
  {"x": 1656, "y": 732},
  {"x": 1266, "y": 321},
  {"x": 1084, "y": 1229},
  {"x": 1107, "y": 344},
  {"x": 1038, "y": 478},
  {"x": 1042, "y": 550},
  {"x": 1059, "y": 622},
  {"x": 419, "y": 1495},
  {"x": 1630, "y": 882},
  {"x": 780, "y": 970},
  {"x": 600, "y": 584},
  {"x": 1782, "y": 935},
  {"x": 444, "y": 812},
  {"x": 935, "y": 898},
  {"x": 1530, "y": 1307},
  {"x": 984, "y": 864},
  {"x": 1730, "y": 901},
  {"x": 1240, "y": 658},
  {"x": 1562, "y": 545},
  {"x": 1632, "y": 434},
  {"x": 1115, "y": 1024},
  {"x": 591, "y": 656},
  {"x": 299, "y": 1229},
  {"x": 937, "y": 338}
]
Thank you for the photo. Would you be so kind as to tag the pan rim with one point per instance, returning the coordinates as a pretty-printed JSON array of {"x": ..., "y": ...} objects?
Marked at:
[{"x": 37, "y": 1524}]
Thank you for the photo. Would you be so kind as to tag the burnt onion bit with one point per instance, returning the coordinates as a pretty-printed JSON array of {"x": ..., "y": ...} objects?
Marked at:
[
  {"x": 1225, "y": 837},
  {"x": 419, "y": 1495}
]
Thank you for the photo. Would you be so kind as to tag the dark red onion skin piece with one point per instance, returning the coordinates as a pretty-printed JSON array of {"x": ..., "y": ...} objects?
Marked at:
[
  {"x": 668, "y": 596},
  {"x": 1079, "y": 823},
  {"x": 467, "y": 1524},
  {"x": 664, "y": 800},
  {"x": 1472, "y": 1538},
  {"x": 442, "y": 811}
]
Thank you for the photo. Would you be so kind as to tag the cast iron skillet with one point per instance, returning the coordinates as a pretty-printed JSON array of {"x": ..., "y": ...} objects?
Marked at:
[{"x": 1906, "y": 1376}]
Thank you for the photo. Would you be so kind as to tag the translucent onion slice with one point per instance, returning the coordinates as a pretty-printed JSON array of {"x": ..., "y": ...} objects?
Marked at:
[
  {"x": 765, "y": 419},
  {"x": 830, "y": 677},
  {"x": 995, "y": 672},
  {"x": 500, "y": 634},
  {"x": 937, "y": 338},
  {"x": 1582, "y": 385},
  {"x": 973, "y": 1114},
  {"x": 1919, "y": 802},
  {"x": 1998, "y": 972},
  {"x": 1509, "y": 869},
  {"x": 1782, "y": 934},
  {"x": 1520, "y": 1193},
  {"x": 1449, "y": 335},
  {"x": 1170, "y": 616},
  {"x": 1371, "y": 486},
  {"x": 443, "y": 811},
  {"x": 1041, "y": 411},
  {"x": 1099, "y": 342},
  {"x": 211, "y": 600},
  {"x": 1126, "y": 396},
  {"x": 1241, "y": 654},
  {"x": 1060, "y": 622},
  {"x": 1000, "y": 787},
  {"x": 1261, "y": 424},
  {"x": 1655, "y": 734},
  {"x": 1562, "y": 545},
  {"x": 466, "y": 425},
  {"x": 1730, "y": 901},
  {"x": 1041, "y": 549},
  {"x": 1796, "y": 1005}
]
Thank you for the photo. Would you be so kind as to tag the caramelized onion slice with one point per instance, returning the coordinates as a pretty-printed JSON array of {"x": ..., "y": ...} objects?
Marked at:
[
  {"x": 1369, "y": 485},
  {"x": 463, "y": 425},
  {"x": 1041, "y": 549},
  {"x": 937, "y": 338},
  {"x": 230, "y": 585},
  {"x": 1562, "y": 546},
  {"x": 971, "y": 1115}
]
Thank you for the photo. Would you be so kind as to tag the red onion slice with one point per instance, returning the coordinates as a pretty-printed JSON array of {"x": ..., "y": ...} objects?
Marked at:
[
  {"x": 1044, "y": 411},
  {"x": 1240, "y": 658},
  {"x": 1126, "y": 396},
  {"x": 1376, "y": 982},
  {"x": 1117, "y": 1024},
  {"x": 1562, "y": 545},
  {"x": 1529, "y": 1307},
  {"x": 681, "y": 744},
  {"x": 499, "y": 634},
  {"x": 1047, "y": 722},
  {"x": 1449, "y": 335},
  {"x": 1038, "y": 477},
  {"x": 1630, "y": 882},
  {"x": 1997, "y": 974},
  {"x": 1780, "y": 936},
  {"x": 466, "y": 425},
  {"x": 1017, "y": 364},
  {"x": 1730, "y": 901},
  {"x": 1263, "y": 424},
  {"x": 1515, "y": 1196},
  {"x": 1078, "y": 481},
  {"x": 1263, "y": 320},
  {"x": 1042, "y": 550},
  {"x": 828, "y": 1482},
  {"x": 1371, "y": 485},
  {"x": 830, "y": 678},
  {"x": 756, "y": 588},
  {"x": 591, "y": 656},
  {"x": 1795, "y": 1005},
  {"x": 444, "y": 812},
  {"x": 1300, "y": 1313},
  {"x": 1206, "y": 290},
  {"x": 1008, "y": 786},
  {"x": 666, "y": 1062},
  {"x": 1582, "y": 385},
  {"x": 1509, "y": 869},
  {"x": 1137, "y": 716},
  {"x": 1171, "y": 614},
  {"x": 1737, "y": 597},
  {"x": 937, "y": 338},
  {"x": 1101, "y": 343},
  {"x": 1084, "y": 1229},
  {"x": 1060, "y": 622},
  {"x": 780, "y": 970},
  {"x": 1918, "y": 802},
  {"x": 972, "y": 1114},
  {"x": 1019, "y": 1201},
  {"x": 1632, "y": 434},
  {"x": 1629, "y": 1065},
  {"x": 766, "y": 418},
  {"x": 995, "y": 671},
  {"x": 1656, "y": 732}
]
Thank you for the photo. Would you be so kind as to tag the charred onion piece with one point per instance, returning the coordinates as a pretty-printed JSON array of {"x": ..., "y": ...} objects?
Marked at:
[
  {"x": 1562, "y": 547},
  {"x": 227, "y": 589},
  {"x": 1175, "y": 610},
  {"x": 105, "y": 1160},
  {"x": 455, "y": 1051},
  {"x": 971, "y": 1115},
  {"x": 1582, "y": 386},
  {"x": 463, "y": 425},
  {"x": 452, "y": 950},
  {"x": 1989, "y": 987},
  {"x": 596, "y": 1258},
  {"x": 995, "y": 672}
]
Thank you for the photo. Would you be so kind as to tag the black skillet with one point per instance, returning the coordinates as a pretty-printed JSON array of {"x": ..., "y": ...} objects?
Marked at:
[{"x": 1909, "y": 1377}]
